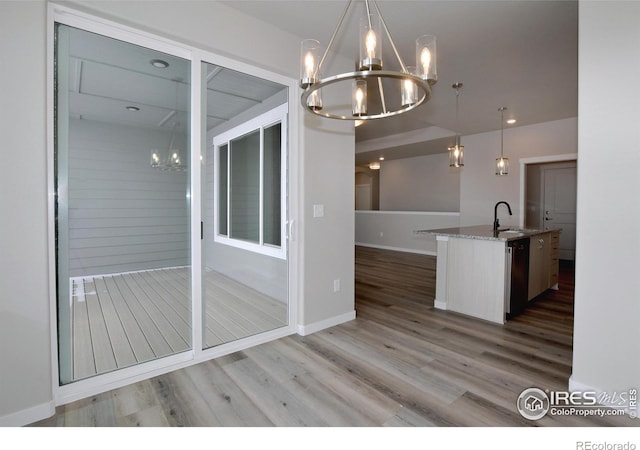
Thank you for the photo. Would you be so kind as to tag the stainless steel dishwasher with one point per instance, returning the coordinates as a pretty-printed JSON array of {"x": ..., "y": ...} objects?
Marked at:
[{"x": 518, "y": 250}]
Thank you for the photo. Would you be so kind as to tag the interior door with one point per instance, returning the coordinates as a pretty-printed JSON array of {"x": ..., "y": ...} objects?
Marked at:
[{"x": 559, "y": 209}]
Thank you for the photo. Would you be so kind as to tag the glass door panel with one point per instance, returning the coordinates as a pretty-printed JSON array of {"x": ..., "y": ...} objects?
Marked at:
[
  {"x": 245, "y": 260},
  {"x": 122, "y": 152}
]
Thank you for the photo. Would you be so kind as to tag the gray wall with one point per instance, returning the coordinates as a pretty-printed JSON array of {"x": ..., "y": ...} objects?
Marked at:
[
  {"x": 607, "y": 310},
  {"x": 25, "y": 319},
  {"x": 124, "y": 215},
  {"x": 25, "y": 340},
  {"x": 480, "y": 188},
  {"x": 424, "y": 183}
]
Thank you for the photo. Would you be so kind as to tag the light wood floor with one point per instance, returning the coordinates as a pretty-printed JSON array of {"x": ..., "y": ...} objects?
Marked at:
[
  {"x": 125, "y": 319},
  {"x": 400, "y": 363}
]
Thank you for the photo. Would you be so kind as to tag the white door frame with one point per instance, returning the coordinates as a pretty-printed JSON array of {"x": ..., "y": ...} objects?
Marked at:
[
  {"x": 101, "y": 383},
  {"x": 523, "y": 173}
]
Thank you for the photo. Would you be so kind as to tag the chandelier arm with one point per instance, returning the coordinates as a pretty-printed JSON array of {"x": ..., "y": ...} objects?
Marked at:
[
  {"x": 335, "y": 32},
  {"x": 457, "y": 130},
  {"x": 384, "y": 105},
  {"x": 386, "y": 30},
  {"x": 502, "y": 132},
  {"x": 366, "y": 5}
]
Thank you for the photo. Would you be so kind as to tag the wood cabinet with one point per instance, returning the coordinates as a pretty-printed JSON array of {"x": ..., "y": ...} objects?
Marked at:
[
  {"x": 543, "y": 262},
  {"x": 539, "y": 257},
  {"x": 554, "y": 264}
]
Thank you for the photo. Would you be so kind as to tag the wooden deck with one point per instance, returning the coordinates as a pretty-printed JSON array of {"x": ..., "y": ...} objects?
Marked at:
[{"x": 125, "y": 319}]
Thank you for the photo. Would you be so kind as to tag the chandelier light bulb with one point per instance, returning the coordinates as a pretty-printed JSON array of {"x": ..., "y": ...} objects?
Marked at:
[
  {"x": 359, "y": 104},
  {"x": 371, "y": 44},
  {"x": 309, "y": 65},
  {"x": 425, "y": 60}
]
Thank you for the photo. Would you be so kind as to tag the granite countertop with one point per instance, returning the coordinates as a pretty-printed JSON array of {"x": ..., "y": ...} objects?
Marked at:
[{"x": 485, "y": 232}]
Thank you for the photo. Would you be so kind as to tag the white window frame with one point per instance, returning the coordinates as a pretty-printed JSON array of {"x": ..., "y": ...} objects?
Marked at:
[{"x": 276, "y": 115}]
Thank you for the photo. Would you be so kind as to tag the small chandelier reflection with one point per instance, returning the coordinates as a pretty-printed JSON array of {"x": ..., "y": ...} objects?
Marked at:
[
  {"x": 411, "y": 84},
  {"x": 171, "y": 158},
  {"x": 502, "y": 163},
  {"x": 456, "y": 152}
]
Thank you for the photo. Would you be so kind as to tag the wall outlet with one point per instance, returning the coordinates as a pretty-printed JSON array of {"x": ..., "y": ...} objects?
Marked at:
[
  {"x": 336, "y": 285},
  {"x": 318, "y": 210},
  {"x": 381, "y": 234}
]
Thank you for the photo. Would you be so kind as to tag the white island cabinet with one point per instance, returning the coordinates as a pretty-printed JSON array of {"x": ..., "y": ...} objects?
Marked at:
[{"x": 474, "y": 268}]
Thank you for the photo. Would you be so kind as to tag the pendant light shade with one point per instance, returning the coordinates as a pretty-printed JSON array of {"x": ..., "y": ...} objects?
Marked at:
[
  {"x": 456, "y": 152},
  {"x": 502, "y": 163}
]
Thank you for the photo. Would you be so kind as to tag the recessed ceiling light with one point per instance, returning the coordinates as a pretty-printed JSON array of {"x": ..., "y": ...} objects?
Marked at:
[
  {"x": 160, "y": 64},
  {"x": 511, "y": 121},
  {"x": 133, "y": 108},
  {"x": 381, "y": 158}
]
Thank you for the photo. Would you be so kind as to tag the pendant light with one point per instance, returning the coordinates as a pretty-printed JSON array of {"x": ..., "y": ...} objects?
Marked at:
[
  {"x": 371, "y": 78},
  {"x": 456, "y": 152},
  {"x": 502, "y": 163}
]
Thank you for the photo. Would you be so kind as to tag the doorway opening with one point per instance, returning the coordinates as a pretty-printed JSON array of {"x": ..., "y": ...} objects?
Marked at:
[{"x": 548, "y": 198}]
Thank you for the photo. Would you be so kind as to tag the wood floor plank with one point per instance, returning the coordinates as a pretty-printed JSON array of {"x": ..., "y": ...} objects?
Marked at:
[
  {"x": 101, "y": 344},
  {"x": 152, "y": 335},
  {"x": 134, "y": 334},
  {"x": 162, "y": 324},
  {"x": 177, "y": 315},
  {"x": 399, "y": 363},
  {"x": 273, "y": 399},
  {"x": 82, "y": 352},
  {"x": 122, "y": 350}
]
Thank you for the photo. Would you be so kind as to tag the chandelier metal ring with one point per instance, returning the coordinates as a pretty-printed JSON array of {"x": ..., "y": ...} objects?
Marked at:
[{"x": 420, "y": 83}]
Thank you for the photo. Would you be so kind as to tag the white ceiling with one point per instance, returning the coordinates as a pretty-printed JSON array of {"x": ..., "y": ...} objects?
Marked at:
[
  {"x": 106, "y": 76},
  {"x": 514, "y": 53}
]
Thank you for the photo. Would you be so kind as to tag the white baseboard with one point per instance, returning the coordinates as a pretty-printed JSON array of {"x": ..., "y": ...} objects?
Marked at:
[
  {"x": 29, "y": 415},
  {"x": 439, "y": 304},
  {"x": 397, "y": 249},
  {"x": 304, "y": 330}
]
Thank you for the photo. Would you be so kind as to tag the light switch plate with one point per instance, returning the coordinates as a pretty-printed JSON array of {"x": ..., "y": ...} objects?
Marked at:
[{"x": 318, "y": 210}]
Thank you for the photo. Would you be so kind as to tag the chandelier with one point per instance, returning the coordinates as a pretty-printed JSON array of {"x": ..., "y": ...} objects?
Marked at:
[
  {"x": 173, "y": 157},
  {"x": 372, "y": 91}
]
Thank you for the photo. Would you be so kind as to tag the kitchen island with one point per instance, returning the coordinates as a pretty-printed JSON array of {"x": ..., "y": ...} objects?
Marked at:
[{"x": 492, "y": 275}]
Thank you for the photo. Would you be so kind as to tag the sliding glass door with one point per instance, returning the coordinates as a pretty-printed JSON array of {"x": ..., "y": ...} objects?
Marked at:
[
  {"x": 244, "y": 185},
  {"x": 123, "y": 204},
  {"x": 127, "y": 218}
]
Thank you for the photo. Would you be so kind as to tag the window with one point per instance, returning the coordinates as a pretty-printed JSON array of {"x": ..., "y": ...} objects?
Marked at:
[{"x": 250, "y": 183}]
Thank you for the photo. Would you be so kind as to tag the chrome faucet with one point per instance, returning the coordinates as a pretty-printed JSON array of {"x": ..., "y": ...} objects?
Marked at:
[{"x": 496, "y": 223}]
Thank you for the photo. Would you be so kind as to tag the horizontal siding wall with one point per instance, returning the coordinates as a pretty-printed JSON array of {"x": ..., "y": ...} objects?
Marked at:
[{"x": 123, "y": 214}]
